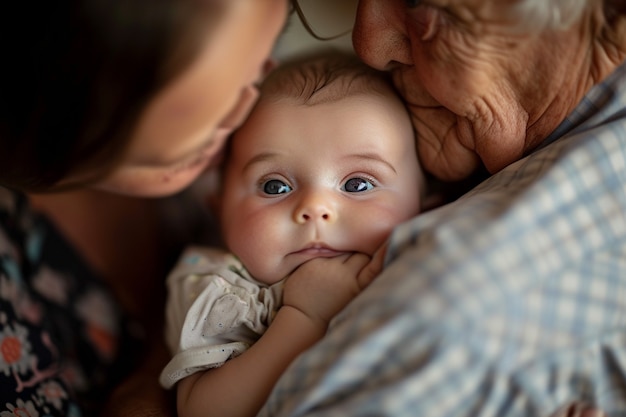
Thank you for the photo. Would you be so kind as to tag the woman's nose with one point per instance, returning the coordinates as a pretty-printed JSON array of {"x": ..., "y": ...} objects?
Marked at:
[
  {"x": 379, "y": 35},
  {"x": 315, "y": 207}
]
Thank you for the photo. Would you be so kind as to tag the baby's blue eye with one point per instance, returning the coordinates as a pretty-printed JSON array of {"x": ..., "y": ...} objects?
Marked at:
[
  {"x": 357, "y": 185},
  {"x": 275, "y": 187}
]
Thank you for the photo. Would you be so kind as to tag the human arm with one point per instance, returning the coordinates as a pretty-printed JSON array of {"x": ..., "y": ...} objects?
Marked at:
[{"x": 313, "y": 294}]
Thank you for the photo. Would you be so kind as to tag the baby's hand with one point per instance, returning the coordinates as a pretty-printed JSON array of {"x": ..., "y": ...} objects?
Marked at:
[{"x": 322, "y": 287}]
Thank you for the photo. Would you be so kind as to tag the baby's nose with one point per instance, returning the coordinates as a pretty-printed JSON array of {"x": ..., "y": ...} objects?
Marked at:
[{"x": 314, "y": 207}]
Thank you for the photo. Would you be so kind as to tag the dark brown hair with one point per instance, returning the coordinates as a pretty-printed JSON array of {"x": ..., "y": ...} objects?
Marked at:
[{"x": 76, "y": 76}]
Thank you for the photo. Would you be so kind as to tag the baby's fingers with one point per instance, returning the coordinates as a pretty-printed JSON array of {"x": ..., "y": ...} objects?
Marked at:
[{"x": 373, "y": 268}]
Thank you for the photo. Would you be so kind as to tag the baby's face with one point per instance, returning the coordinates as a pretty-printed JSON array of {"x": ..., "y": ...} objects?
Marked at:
[{"x": 305, "y": 182}]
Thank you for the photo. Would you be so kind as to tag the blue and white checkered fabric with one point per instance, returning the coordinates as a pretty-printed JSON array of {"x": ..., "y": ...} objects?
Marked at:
[{"x": 508, "y": 302}]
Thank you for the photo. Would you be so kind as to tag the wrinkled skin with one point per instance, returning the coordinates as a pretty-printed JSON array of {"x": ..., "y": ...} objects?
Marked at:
[{"x": 480, "y": 88}]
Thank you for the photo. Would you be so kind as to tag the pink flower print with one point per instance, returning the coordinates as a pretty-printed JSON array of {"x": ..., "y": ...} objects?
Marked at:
[
  {"x": 21, "y": 409},
  {"x": 14, "y": 350},
  {"x": 22, "y": 303},
  {"x": 96, "y": 307},
  {"x": 102, "y": 340},
  {"x": 52, "y": 392},
  {"x": 16, "y": 357},
  {"x": 51, "y": 285},
  {"x": 72, "y": 374},
  {"x": 101, "y": 326}
]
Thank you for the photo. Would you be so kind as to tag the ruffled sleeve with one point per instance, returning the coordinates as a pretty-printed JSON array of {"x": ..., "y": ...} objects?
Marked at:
[{"x": 215, "y": 311}]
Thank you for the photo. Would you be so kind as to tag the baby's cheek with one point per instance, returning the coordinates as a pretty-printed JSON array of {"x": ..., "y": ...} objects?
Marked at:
[
  {"x": 388, "y": 215},
  {"x": 370, "y": 240},
  {"x": 252, "y": 245}
]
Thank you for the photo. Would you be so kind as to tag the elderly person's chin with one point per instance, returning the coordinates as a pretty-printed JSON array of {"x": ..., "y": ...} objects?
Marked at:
[{"x": 449, "y": 148}]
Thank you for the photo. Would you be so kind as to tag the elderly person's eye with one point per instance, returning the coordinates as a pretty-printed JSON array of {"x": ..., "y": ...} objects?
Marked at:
[{"x": 412, "y": 3}]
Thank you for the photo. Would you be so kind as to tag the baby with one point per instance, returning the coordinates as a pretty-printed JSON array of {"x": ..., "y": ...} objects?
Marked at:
[{"x": 313, "y": 183}]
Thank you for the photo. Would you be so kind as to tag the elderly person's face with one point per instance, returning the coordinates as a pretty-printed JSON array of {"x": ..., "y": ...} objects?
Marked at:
[{"x": 481, "y": 88}]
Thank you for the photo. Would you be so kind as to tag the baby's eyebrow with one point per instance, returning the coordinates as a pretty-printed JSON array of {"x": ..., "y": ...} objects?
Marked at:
[
  {"x": 262, "y": 157},
  {"x": 372, "y": 156}
]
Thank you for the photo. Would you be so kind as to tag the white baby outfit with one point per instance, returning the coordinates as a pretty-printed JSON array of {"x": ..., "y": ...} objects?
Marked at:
[{"x": 215, "y": 311}]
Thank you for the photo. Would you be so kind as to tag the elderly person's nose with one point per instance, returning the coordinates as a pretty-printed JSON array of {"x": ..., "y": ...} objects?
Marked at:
[{"x": 379, "y": 36}]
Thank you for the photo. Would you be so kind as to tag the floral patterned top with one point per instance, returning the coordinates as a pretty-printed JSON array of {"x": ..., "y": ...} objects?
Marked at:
[{"x": 61, "y": 332}]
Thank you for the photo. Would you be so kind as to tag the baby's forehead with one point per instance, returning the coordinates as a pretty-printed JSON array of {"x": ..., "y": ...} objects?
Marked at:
[{"x": 371, "y": 120}]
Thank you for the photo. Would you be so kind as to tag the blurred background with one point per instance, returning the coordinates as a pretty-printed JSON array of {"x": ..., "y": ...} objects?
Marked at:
[{"x": 328, "y": 18}]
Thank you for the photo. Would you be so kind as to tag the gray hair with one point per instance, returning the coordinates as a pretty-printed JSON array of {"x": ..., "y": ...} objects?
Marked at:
[{"x": 537, "y": 15}]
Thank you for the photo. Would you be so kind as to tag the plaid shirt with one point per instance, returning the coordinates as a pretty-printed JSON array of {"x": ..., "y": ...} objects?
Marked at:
[{"x": 511, "y": 301}]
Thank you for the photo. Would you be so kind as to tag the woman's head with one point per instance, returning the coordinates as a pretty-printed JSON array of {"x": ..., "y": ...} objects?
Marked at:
[
  {"x": 487, "y": 80},
  {"x": 124, "y": 94}
]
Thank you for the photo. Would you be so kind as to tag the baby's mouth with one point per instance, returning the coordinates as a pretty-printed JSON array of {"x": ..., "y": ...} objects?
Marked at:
[{"x": 318, "y": 251}]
